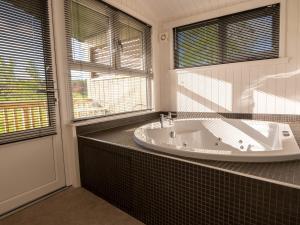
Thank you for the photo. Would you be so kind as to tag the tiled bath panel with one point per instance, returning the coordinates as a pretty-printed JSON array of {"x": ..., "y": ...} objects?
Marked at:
[
  {"x": 160, "y": 189},
  {"x": 280, "y": 172}
]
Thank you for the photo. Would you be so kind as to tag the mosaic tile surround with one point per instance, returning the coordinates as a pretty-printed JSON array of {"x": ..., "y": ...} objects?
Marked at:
[{"x": 158, "y": 189}]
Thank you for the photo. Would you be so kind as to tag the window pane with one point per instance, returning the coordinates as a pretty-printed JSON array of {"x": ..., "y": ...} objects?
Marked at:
[
  {"x": 198, "y": 46},
  {"x": 244, "y": 36},
  {"x": 107, "y": 94},
  {"x": 253, "y": 42},
  {"x": 131, "y": 47},
  {"x": 26, "y": 87},
  {"x": 90, "y": 36},
  {"x": 112, "y": 66}
]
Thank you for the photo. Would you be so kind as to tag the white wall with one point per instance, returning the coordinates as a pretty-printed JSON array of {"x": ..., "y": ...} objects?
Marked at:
[{"x": 269, "y": 86}]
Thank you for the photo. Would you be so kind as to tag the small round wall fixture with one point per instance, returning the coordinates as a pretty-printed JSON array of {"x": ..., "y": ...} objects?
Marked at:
[{"x": 164, "y": 37}]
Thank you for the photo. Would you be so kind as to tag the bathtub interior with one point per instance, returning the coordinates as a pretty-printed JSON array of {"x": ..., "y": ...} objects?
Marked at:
[
  {"x": 220, "y": 137},
  {"x": 242, "y": 135}
]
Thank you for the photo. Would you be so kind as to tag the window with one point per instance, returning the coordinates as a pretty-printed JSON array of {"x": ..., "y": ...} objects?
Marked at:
[
  {"x": 245, "y": 36},
  {"x": 27, "y": 102},
  {"x": 109, "y": 60}
]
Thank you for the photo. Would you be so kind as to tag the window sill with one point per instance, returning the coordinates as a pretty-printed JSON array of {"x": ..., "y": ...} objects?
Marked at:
[
  {"x": 283, "y": 60},
  {"x": 110, "y": 118}
]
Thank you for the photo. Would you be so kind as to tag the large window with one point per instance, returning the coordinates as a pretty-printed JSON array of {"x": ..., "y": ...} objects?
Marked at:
[
  {"x": 245, "y": 36},
  {"x": 27, "y": 103},
  {"x": 109, "y": 59}
]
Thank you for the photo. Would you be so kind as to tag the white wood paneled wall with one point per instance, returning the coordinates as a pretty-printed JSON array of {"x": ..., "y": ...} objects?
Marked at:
[
  {"x": 268, "y": 86},
  {"x": 265, "y": 87}
]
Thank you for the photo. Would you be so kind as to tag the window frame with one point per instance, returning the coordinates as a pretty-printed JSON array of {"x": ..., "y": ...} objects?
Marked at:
[
  {"x": 224, "y": 24},
  {"x": 91, "y": 67},
  {"x": 135, "y": 26}
]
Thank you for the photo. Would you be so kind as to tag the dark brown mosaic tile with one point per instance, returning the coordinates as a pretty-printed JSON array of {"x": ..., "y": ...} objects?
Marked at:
[
  {"x": 161, "y": 191},
  {"x": 285, "y": 172}
]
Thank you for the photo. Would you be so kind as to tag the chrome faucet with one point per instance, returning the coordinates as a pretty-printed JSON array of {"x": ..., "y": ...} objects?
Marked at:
[
  {"x": 168, "y": 118},
  {"x": 161, "y": 120}
]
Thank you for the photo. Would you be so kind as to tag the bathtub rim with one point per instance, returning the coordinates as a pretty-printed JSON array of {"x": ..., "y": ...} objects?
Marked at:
[{"x": 257, "y": 157}]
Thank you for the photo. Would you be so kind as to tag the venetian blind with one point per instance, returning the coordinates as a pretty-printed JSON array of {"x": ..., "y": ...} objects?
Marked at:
[
  {"x": 109, "y": 60},
  {"x": 245, "y": 36},
  {"x": 27, "y": 101}
]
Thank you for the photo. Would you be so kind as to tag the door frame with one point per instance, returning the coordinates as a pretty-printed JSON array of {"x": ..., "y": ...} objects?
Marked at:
[{"x": 68, "y": 131}]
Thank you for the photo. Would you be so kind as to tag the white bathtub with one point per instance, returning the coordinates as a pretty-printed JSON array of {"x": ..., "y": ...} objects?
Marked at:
[{"x": 221, "y": 139}]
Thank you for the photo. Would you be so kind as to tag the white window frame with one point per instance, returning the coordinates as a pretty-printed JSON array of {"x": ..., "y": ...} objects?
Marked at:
[
  {"x": 91, "y": 67},
  {"x": 224, "y": 12}
]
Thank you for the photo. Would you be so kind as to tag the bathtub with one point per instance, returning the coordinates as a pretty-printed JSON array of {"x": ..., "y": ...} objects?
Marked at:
[{"x": 221, "y": 139}]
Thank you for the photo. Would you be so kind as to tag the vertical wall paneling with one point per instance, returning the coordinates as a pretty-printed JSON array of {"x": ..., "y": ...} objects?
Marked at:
[
  {"x": 280, "y": 89},
  {"x": 214, "y": 90},
  {"x": 245, "y": 83},
  {"x": 270, "y": 88}
]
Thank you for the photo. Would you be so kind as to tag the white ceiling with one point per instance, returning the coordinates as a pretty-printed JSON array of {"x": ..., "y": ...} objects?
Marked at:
[{"x": 168, "y": 10}]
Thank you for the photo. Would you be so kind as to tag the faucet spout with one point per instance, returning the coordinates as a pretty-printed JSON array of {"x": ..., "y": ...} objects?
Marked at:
[
  {"x": 170, "y": 118},
  {"x": 161, "y": 120},
  {"x": 166, "y": 118}
]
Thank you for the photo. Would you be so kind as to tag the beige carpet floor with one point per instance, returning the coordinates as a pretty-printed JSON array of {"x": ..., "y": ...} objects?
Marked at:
[{"x": 71, "y": 207}]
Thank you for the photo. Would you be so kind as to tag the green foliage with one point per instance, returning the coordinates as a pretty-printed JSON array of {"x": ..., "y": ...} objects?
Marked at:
[
  {"x": 216, "y": 43},
  {"x": 21, "y": 87},
  {"x": 201, "y": 39}
]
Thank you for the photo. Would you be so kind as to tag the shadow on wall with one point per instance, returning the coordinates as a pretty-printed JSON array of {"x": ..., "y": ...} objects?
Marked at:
[{"x": 254, "y": 89}]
